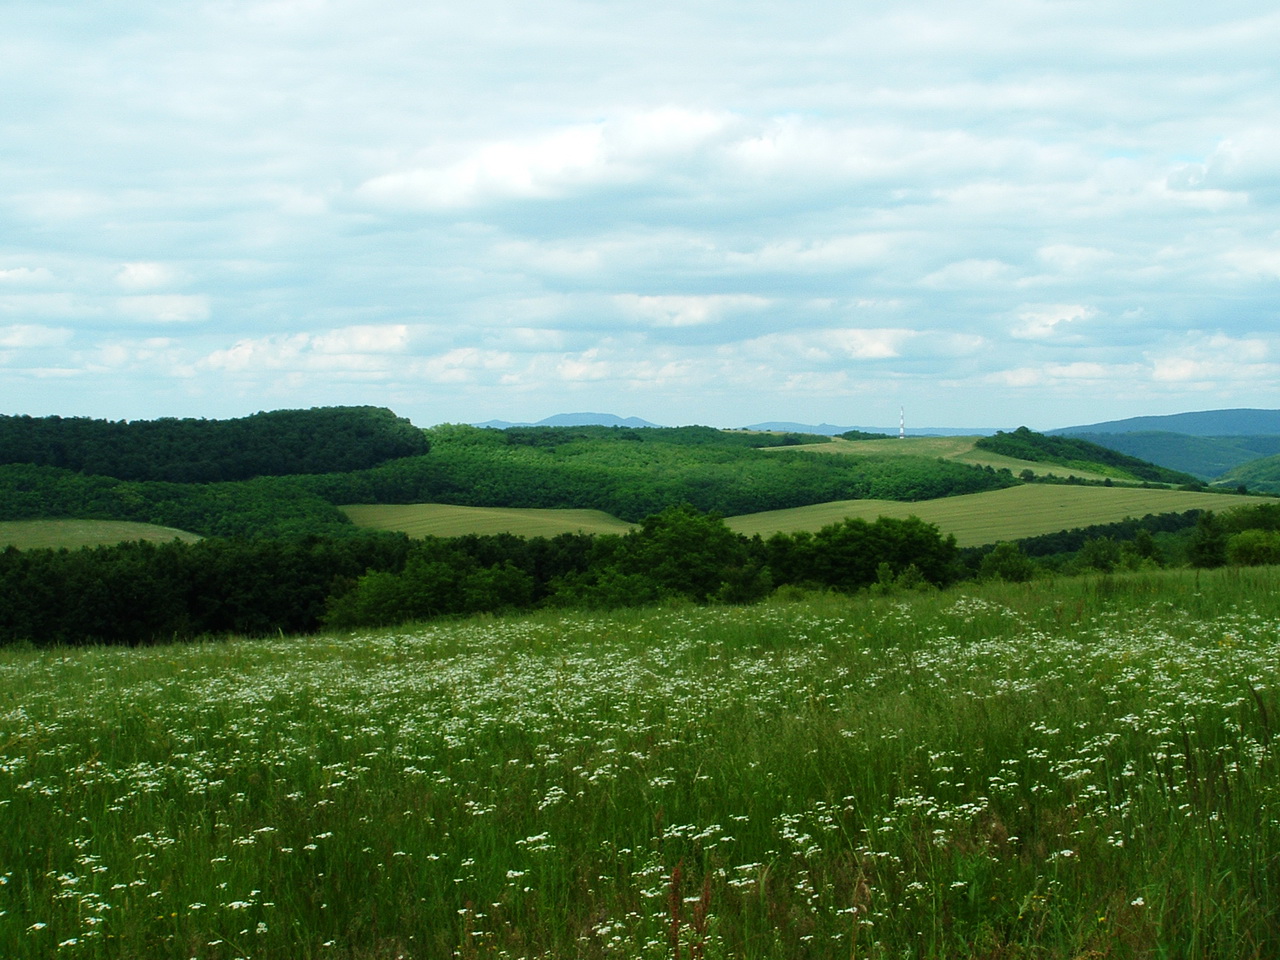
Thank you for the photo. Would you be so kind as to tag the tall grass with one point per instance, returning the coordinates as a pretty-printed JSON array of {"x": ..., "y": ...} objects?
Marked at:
[{"x": 1083, "y": 768}]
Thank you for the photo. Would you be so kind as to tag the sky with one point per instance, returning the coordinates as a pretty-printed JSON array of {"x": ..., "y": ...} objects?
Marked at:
[{"x": 1004, "y": 212}]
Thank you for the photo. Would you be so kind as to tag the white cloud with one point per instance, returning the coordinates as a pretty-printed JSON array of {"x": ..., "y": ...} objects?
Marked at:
[
  {"x": 31, "y": 335},
  {"x": 1046, "y": 322},
  {"x": 1082, "y": 374},
  {"x": 969, "y": 273},
  {"x": 1258, "y": 261},
  {"x": 832, "y": 346},
  {"x": 145, "y": 276},
  {"x": 687, "y": 311},
  {"x": 548, "y": 166},
  {"x": 22, "y": 276},
  {"x": 1220, "y": 360},
  {"x": 351, "y": 350},
  {"x": 165, "y": 307},
  {"x": 353, "y": 340},
  {"x": 465, "y": 365}
]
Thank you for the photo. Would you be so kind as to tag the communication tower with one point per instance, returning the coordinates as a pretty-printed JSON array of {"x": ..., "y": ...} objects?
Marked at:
[{"x": 902, "y": 423}]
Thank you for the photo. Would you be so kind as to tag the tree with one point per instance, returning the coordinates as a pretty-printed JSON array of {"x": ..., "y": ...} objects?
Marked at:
[
  {"x": 1208, "y": 547},
  {"x": 1007, "y": 561}
]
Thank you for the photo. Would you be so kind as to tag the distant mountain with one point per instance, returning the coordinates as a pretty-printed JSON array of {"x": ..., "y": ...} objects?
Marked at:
[
  {"x": 572, "y": 420},
  {"x": 1208, "y": 444},
  {"x": 1205, "y": 423},
  {"x": 828, "y": 430}
]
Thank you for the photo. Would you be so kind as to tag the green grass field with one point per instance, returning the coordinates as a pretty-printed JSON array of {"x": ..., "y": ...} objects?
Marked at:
[
  {"x": 1070, "y": 769},
  {"x": 975, "y": 519},
  {"x": 31, "y": 534},
  {"x": 1011, "y": 514},
  {"x": 442, "y": 520},
  {"x": 960, "y": 449}
]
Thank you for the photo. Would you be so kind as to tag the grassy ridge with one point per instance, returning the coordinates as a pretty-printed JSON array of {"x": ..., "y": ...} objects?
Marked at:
[
  {"x": 958, "y": 449},
  {"x": 32, "y": 534},
  {"x": 1076, "y": 769}
]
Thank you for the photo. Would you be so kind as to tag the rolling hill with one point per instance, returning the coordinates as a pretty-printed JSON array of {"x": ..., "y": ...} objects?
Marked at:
[{"x": 1208, "y": 444}]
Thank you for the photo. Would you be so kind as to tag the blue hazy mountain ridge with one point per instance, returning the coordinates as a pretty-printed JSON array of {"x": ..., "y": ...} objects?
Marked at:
[
  {"x": 571, "y": 420},
  {"x": 822, "y": 429},
  {"x": 1242, "y": 422},
  {"x": 828, "y": 430}
]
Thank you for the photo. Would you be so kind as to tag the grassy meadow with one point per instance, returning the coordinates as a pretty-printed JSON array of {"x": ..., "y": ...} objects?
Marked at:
[
  {"x": 72, "y": 534},
  {"x": 1028, "y": 510},
  {"x": 1077, "y": 768},
  {"x": 444, "y": 520},
  {"x": 960, "y": 449},
  {"x": 975, "y": 519}
]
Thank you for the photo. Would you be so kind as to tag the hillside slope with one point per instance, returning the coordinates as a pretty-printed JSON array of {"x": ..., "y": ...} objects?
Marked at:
[
  {"x": 1261, "y": 475},
  {"x": 1073, "y": 453},
  {"x": 1207, "y": 458}
]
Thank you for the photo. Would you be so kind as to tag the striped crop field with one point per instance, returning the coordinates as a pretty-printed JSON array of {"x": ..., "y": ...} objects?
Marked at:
[
  {"x": 1028, "y": 510},
  {"x": 1077, "y": 768},
  {"x": 444, "y": 520},
  {"x": 55, "y": 534},
  {"x": 960, "y": 449}
]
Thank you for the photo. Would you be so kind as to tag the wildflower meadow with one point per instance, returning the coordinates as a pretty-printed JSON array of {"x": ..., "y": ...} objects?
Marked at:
[{"x": 1078, "y": 768}]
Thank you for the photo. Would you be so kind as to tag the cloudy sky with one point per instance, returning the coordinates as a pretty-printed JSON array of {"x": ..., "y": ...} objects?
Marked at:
[{"x": 1041, "y": 212}]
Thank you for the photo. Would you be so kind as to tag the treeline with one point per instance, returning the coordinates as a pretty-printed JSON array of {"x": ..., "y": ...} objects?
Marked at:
[
  {"x": 279, "y": 443},
  {"x": 1025, "y": 444},
  {"x": 1204, "y": 539},
  {"x": 140, "y": 592}
]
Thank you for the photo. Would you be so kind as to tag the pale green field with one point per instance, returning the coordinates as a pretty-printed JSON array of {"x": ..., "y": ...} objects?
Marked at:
[
  {"x": 443, "y": 520},
  {"x": 977, "y": 518},
  {"x": 34, "y": 534},
  {"x": 960, "y": 449}
]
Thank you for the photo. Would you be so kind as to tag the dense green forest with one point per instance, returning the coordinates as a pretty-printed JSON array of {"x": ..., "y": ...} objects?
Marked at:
[
  {"x": 279, "y": 443},
  {"x": 262, "y": 507},
  {"x": 635, "y": 473},
  {"x": 1069, "y": 452}
]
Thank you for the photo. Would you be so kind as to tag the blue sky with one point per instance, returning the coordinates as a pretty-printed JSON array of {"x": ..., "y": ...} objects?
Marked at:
[{"x": 998, "y": 213}]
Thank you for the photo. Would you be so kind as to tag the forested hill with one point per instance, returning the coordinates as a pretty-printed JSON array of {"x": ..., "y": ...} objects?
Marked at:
[
  {"x": 1026, "y": 444},
  {"x": 279, "y": 443}
]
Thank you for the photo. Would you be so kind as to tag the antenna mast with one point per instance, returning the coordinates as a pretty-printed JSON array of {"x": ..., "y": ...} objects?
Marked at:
[{"x": 902, "y": 423}]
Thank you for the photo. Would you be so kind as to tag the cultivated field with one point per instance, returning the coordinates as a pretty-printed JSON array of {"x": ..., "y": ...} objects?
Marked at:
[
  {"x": 442, "y": 520},
  {"x": 1075, "y": 769},
  {"x": 960, "y": 449},
  {"x": 1028, "y": 510},
  {"x": 30, "y": 534},
  {"x": 975, "y": 519}
]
